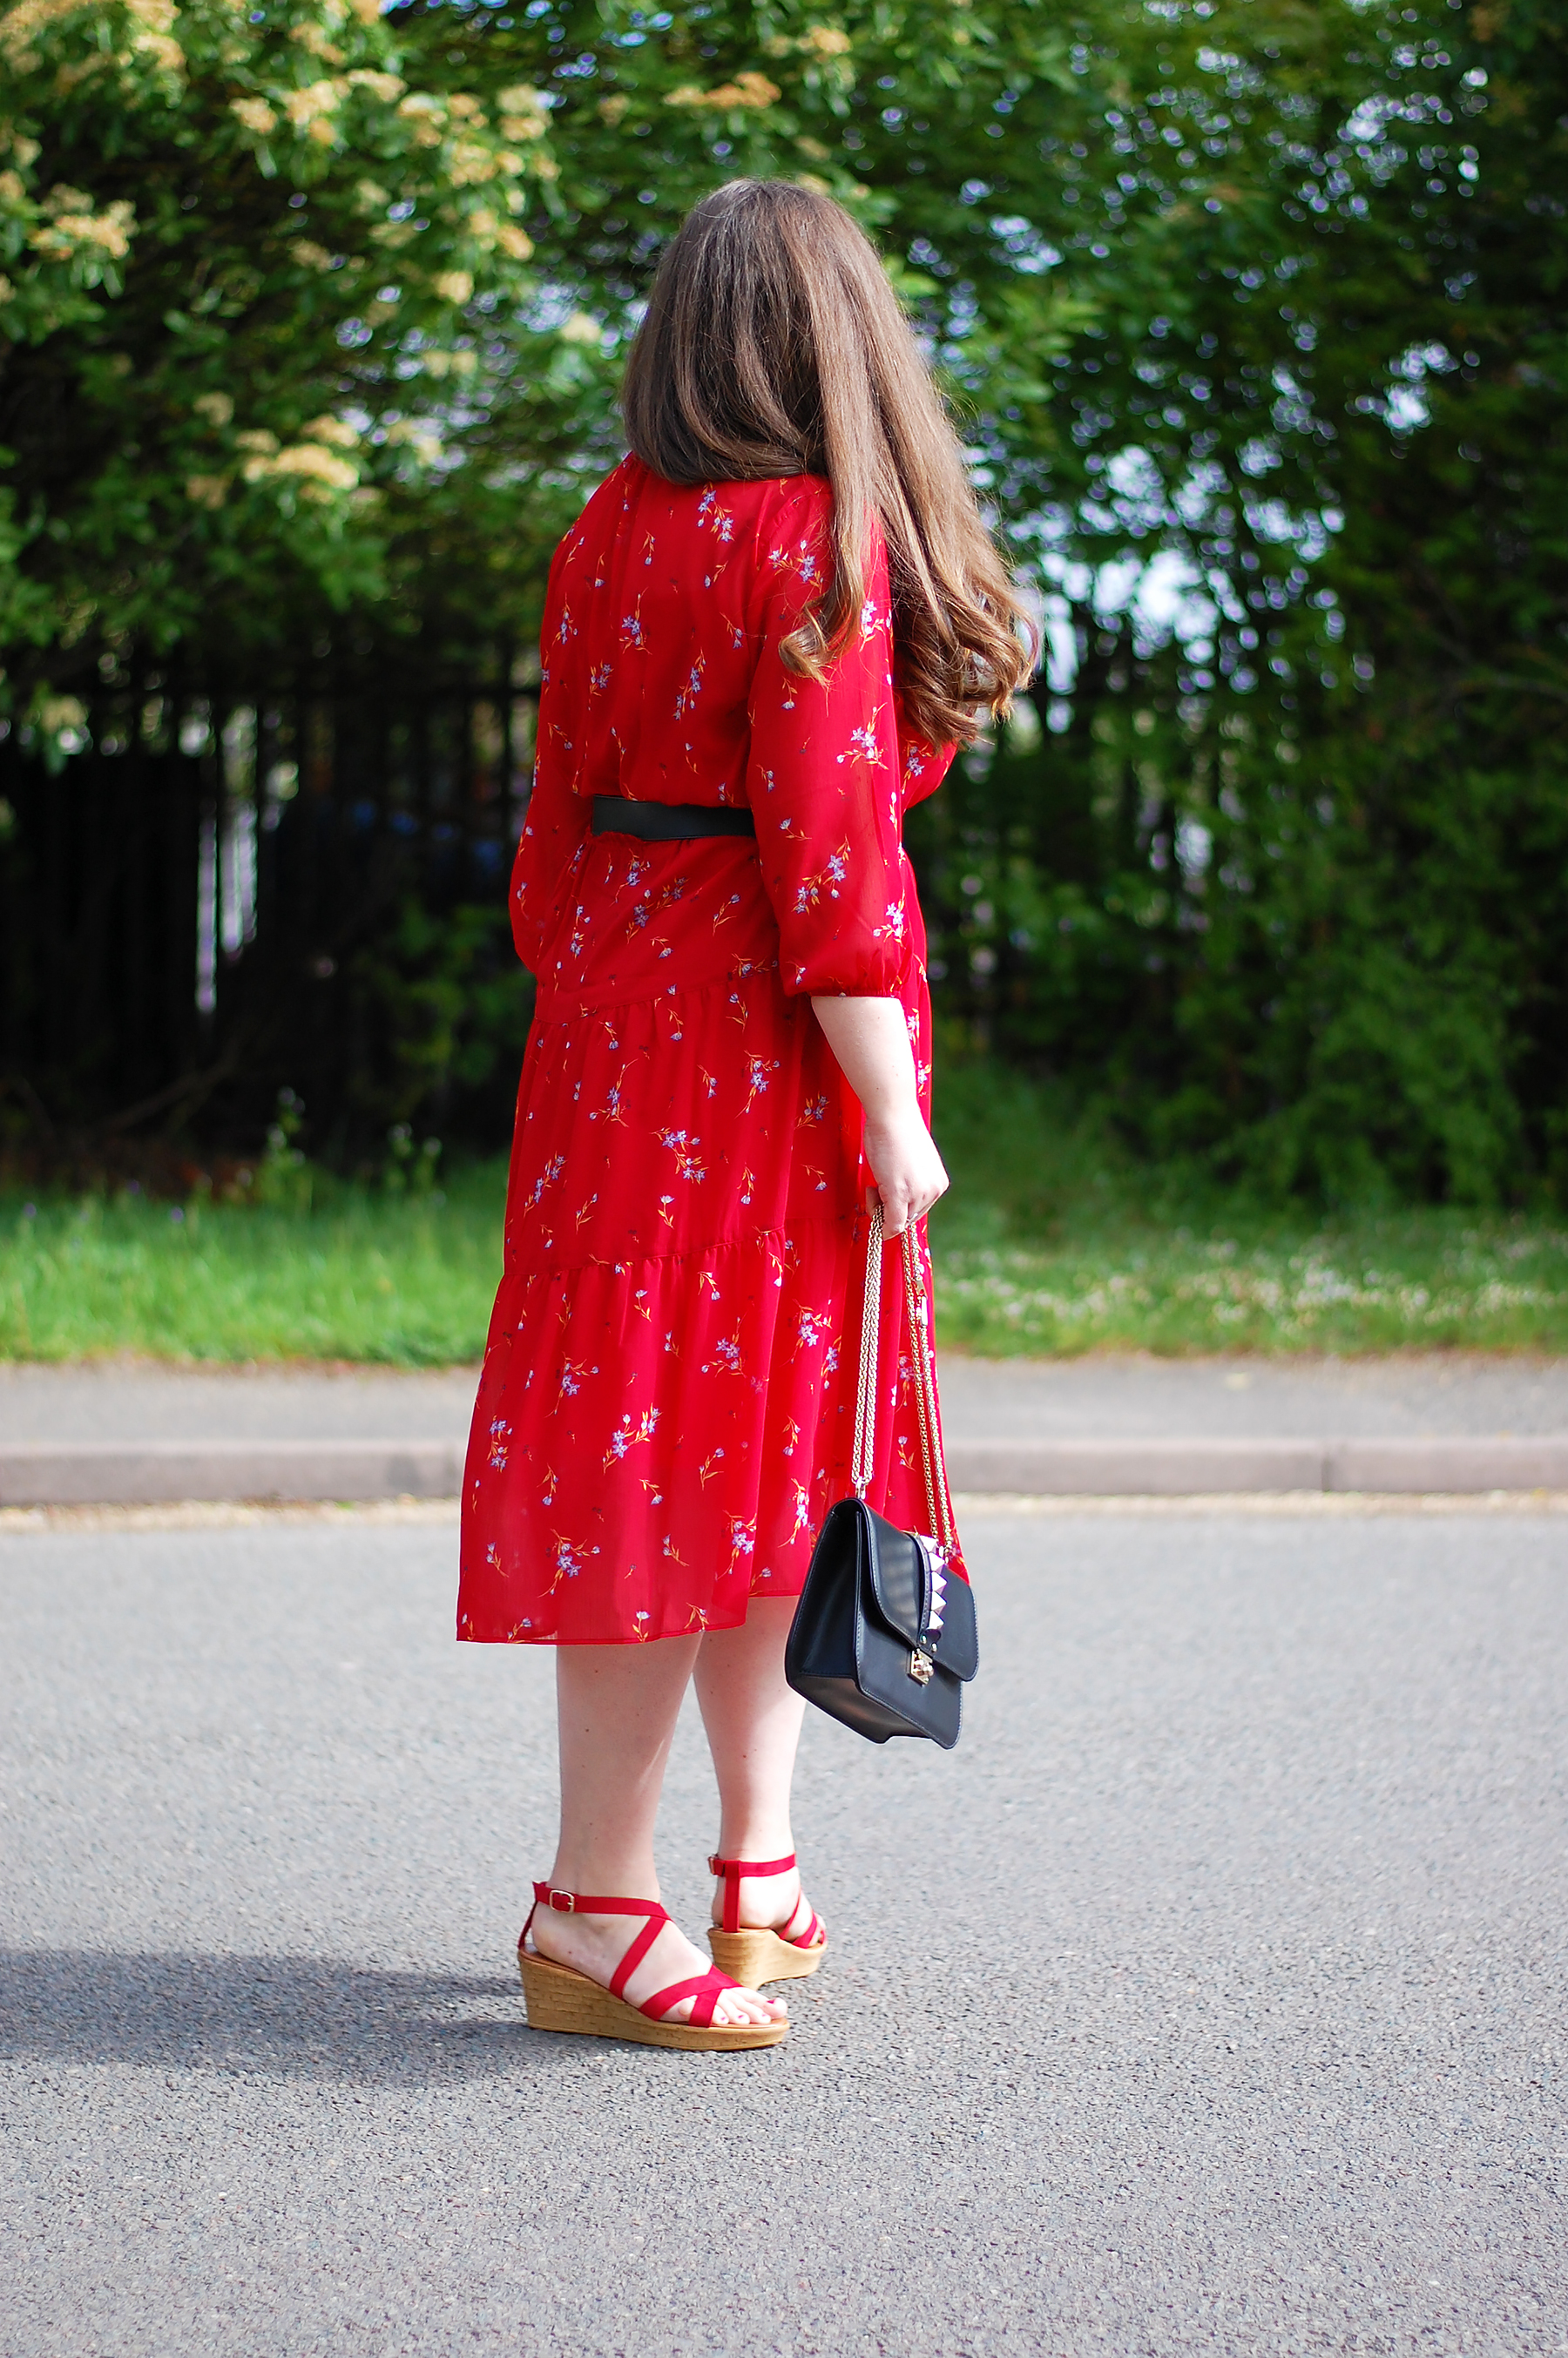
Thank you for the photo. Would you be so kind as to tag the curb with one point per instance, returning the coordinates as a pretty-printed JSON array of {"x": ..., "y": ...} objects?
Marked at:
[
  {"x": 151, "y": 1473},
  {"x": 94, "y": 1474},
  {"x": 1110, "y": 1469}
]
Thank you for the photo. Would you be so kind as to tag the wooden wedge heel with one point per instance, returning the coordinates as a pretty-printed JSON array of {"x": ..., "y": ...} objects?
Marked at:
[
  {"x": 560, "y": 1998},
  {"x": 752, "y": 1954}
]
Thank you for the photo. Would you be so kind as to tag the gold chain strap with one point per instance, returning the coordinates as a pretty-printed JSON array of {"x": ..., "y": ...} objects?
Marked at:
[
  {"x": 870, "y": 1326},
  {"x": 925, "y": 1380}
]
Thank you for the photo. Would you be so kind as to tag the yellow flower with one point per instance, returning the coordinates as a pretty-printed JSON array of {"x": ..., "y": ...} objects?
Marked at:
[
  {"x": 11, "y": 187},
  {"x": 307, "y": 463},
  {"x": 612, "y": 108},
  {"x": 470, "y": 165},
  {"x": 424, "y": 117},
  {"x": 305, "y": 249},
  {"x": 514, "y": 242},
  {"x": 57, "y": 712},
  {"x": 312, "y": 37},
  {"x": 207, "y": 491},
  {"x": 254, "y": 114},
  {"x": 256, "y": 438},
  {"x": 217, "y": 408},
  {"x": 454, "y": 286},
  {"x": 335, "y": 430},
  {"x": 26, "y": 19},
  {"x": 385, "y": 86},
  {"x": 422, "y": 440},
  {"x": 438, "y": 365},
  {"x": 581, "y": 329},
  {"x": 525, "y": 112},
  {"x": 26, "y": 151},
  {"x": 8, "y": 292},
  {"x": 110, "y": 231},
  {"x": 746, "y": 90},
  {"x": 824, "y": 41},
  {"x": 464, "y": 109},
  {"x": 367, "y": 11},
  {"x": 311, "y": 105},
  {"x": 162, "y": 50}
]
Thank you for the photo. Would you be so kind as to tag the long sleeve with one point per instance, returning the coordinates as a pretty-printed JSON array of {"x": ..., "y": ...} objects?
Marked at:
[
  {"x": 823, "y": 774},
  {"x": 543, "y": 870}
]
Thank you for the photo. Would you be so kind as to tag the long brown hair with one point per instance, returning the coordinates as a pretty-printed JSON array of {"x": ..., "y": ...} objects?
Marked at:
[{"x": 773, "y": 345}]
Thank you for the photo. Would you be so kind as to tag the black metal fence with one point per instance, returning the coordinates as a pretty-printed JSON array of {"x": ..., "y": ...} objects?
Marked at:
[{"x": 210, "y": 894}]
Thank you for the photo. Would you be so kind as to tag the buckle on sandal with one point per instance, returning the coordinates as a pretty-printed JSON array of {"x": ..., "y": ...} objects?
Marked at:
[
  {"x": 920, "y": 1667},
  {"x": 563, "y": 1903}
]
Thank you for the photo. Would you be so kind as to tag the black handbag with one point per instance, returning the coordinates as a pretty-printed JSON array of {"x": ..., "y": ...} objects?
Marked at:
[{"x": 883, "y": 1637}]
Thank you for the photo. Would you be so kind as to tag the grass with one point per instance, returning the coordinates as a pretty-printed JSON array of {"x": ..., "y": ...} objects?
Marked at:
[
  {"x": 405, "y": 1284},
  {"x": 1050, "y": 1242}
]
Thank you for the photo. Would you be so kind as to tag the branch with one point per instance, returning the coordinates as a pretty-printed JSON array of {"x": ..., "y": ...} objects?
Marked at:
[{"x": 1481, "y": 679}]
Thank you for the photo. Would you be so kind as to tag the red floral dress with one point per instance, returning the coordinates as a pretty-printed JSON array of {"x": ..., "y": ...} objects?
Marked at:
[{"x": 666, "y": 1409}]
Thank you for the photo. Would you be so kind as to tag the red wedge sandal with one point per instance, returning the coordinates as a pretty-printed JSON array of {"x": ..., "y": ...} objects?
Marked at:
[
  {"x": 752, "y": 1955},
  {"x": 560, "y": 1998}
]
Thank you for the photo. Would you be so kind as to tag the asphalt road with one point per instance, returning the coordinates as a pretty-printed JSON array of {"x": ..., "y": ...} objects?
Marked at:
[{"x": 1210, "y": 1998}]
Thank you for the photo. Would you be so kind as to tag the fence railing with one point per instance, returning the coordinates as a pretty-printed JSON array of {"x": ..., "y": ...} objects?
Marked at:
[{"x": 187, "y": 881}]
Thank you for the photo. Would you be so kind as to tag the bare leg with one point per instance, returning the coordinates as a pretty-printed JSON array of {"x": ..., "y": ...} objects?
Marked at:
[
  {"x": 617, "y": 1707},
  {"x": 752, "y": 1721}
]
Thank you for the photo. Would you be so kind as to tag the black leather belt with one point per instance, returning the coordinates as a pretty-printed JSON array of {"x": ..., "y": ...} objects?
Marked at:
[{"x": 667, "y": 822}]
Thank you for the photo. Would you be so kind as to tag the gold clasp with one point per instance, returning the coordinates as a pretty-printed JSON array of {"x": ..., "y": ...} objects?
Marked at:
[{"x": 920, "y": 1667}]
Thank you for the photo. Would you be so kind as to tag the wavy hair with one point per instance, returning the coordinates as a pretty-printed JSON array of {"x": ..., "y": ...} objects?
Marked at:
[{"x": 773, "y": 345}]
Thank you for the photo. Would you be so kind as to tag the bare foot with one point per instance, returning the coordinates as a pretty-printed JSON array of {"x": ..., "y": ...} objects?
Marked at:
[{"x": 595, "y": 1945}]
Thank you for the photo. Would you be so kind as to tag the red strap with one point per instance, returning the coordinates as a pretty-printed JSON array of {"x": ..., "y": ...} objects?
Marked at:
[
  {"x": 706, "y": 1989},
  {"x": 587, "y": 1903},
  {"x": 733, "y": 1870}
]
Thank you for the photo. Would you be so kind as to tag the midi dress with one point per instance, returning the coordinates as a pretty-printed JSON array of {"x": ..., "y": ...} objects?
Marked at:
[{"x": 667, "y": 1402}]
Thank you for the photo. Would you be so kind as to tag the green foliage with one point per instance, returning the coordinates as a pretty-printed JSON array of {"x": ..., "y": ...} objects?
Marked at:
[
  {"x": 283, "y": 1179},
  {"x": 1293, "y": 895},
  {"x": 248, "y": 256},
  {"x": 1268, "y": 290},
  {"x": 444, "y": 1008},
  {"x": 1054, "y": 1238},
  {"x": 402, "y": 1282}
]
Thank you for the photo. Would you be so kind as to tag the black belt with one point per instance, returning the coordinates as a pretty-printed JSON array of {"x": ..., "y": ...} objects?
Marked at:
[{"x": 667, "y": 822}]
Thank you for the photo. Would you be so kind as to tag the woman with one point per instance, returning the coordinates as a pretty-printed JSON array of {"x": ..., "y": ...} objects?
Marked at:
[{"x": 761, "y": 641}]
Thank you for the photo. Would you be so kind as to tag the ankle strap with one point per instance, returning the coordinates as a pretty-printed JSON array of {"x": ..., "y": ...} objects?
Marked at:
[
  {"x": 585, "y": 1903},
  {"x": 734, "y": 1871}
]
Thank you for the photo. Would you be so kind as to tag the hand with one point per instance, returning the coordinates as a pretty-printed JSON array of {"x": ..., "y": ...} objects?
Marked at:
[
  {"x": 907, "y": 1169},
  {"x": 869, "y": 1037}
]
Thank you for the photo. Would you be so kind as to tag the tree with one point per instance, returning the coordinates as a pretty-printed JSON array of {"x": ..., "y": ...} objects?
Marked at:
[{"x": 316, "y": 312}]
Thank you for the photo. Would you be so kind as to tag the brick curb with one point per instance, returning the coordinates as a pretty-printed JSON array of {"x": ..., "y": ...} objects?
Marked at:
[{"x": 82, "y": 1474}]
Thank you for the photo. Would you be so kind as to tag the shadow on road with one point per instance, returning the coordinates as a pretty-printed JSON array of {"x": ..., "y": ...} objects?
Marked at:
[{"x": 290, "y": 2017}]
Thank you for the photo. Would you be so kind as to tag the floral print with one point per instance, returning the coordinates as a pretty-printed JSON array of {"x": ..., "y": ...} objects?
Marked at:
[{"x": 666, "y": 1407}]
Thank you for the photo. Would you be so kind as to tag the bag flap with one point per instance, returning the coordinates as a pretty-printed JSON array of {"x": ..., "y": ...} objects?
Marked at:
[
  {"x": 899, "y": 1581},
  {"x": 959, "y": 1647},
  {"x": 897, "y": 1572}
]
